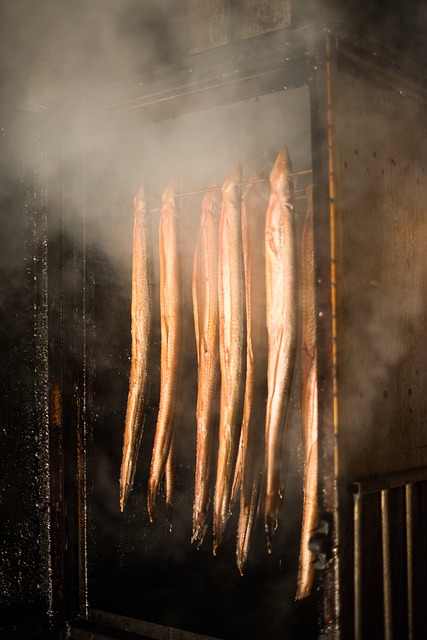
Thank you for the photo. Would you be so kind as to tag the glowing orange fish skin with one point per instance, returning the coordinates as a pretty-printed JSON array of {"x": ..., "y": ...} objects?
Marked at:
[
  {"x": 141, "y": 329},
  {"x": 251, "y": 458},
  {"x": 171, "y": 316},
  {"x": 232, "y": 346},
  {"x": 206, "y": 321},
  {"x": 281, "y": 279},
  {"x": 309, "y": 408}
]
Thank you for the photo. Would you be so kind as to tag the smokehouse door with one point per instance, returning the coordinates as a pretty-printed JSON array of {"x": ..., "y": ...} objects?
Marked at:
[{"x": 372, "y": 319}]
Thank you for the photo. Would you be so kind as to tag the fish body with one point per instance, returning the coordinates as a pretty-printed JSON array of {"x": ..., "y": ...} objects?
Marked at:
[
  {"x": 206, "y": 322},
  {"x": 170, "y": 480},
  {"x": 252, "y": 443},
  {"x": 281, "y": 312},
  {"x": 141, "y": 329},
  {"x": 232, "y": 346},
  {"x": 310, "y": 505},
  {"x": 309, "y": 412},
  {"x": 171, "y": 339}
]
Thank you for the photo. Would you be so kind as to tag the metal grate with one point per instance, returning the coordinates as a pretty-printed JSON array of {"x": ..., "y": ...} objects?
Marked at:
[{"x": 390, "y": 556}]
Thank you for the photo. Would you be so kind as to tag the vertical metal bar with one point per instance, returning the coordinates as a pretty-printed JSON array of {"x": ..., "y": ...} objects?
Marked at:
[
  {"x": 357, "y": 566},
  {"x": 319, "y": 82},
  {"x": 409, "y": 560},
  {"x": 83, "y": 429},
  {"x": 333, "y": 245},
  {"x": 385, "y": 531},
  {"x": 338, "y": 577}
]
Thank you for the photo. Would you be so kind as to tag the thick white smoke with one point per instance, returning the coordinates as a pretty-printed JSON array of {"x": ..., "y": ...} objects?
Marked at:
[{"x": 51, "y": 50}]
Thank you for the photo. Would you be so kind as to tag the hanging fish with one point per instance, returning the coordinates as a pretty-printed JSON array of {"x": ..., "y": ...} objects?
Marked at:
[
  {"x": 308, "y": 400},
  {"x": 254, "y": 208},
  {"x": 171, "y": 315},
  {"x": 281, "y": 277},
  {"x": 206, "y": 322},
  {"x": 231, "y": 346},
  {"x": 141, "y": 329}
]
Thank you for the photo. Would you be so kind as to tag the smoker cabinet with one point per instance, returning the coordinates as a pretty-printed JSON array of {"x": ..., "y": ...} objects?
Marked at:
[{"x": 354, "y": 116}]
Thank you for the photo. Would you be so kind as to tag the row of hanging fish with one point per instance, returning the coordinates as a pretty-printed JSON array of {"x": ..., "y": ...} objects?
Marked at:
[{"x": 245, "y": 303}]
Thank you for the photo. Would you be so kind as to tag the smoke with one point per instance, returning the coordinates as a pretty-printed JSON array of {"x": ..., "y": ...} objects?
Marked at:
[{"x": 51, "y": 50}]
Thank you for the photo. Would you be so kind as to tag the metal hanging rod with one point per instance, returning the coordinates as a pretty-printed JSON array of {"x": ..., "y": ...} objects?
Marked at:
[{"x": 242, "y": 184}]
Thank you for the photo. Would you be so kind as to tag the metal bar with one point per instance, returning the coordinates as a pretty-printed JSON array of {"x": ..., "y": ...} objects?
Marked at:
[
  {"x": 385, "y": 533},
  {"x": 154, "y": 209},
  {"x": 299, "y": 194},
  {"x": 140, "y": 627},
  {"x": 409, "y": 559},
  {"x": 340, "y": 568},
  {"x": 357, "y": 567},
  {"x": 391, "y": 481},
  {"x": 76, "y": 633},
  {"x": 82, "y": 424},
  {"x": 196, "y": 192},
  {"x": 334, "y": 623},
  {"x": 382, "y": 486}
]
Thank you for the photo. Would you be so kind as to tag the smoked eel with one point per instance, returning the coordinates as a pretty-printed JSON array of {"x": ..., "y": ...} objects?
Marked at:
[
  {"x": 141, "y": 329},
  {"x": 206, "y": 322},
  {"x": 231, "y": 346},
  {"x": 170, "y": 480},
  {"x": 251, "y": 452},
  {"x": 171, "y": 318},
  {"x": 281, "y": 302},
  {"x": 308, "y": 400}
]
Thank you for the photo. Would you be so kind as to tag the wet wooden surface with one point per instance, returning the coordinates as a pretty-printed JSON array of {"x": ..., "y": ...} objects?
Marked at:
[
  {"x": 209, "y": 24},
  {"x": 259, "y": 16},
  {"x": 380, "y": 165}
]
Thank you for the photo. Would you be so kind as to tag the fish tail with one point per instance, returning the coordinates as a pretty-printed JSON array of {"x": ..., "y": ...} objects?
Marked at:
[
  {"x": 199, "y": 529},
  {"x": 247, "y": 516},
  {"x": 270, "y": 522},
  {"x": 170, "y": 481},
  {"x": 151, "y": 498},
  {"x": 168, "y": 511},
  {"x": 217, "y": 535}
]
